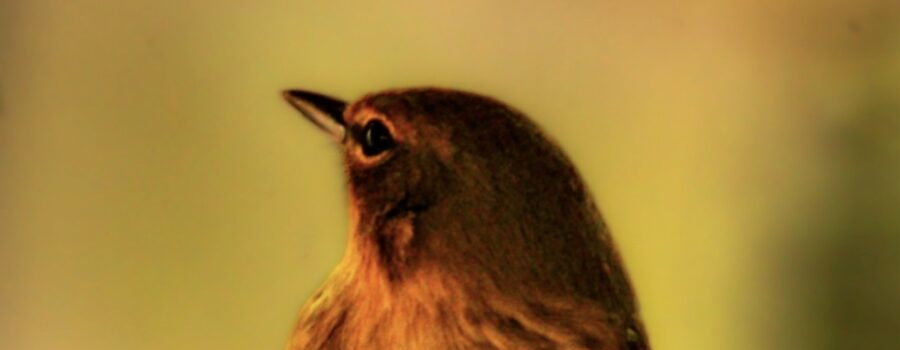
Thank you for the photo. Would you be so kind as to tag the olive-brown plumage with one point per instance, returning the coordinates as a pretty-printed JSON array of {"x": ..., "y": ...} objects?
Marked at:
[{"x": 470, "y": 230}]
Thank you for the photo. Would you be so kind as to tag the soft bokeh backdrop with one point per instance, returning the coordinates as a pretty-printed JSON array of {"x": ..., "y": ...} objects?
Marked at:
[{"x": 156, "y": 192}]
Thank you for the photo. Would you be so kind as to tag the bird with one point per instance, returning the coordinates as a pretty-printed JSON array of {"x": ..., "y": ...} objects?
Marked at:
[{"x": 469, "y": 229}]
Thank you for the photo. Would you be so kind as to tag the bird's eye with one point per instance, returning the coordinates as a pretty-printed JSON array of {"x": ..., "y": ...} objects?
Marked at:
[{"x": 376, "y": 138}]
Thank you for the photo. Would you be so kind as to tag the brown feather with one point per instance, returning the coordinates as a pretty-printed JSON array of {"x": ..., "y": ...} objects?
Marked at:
[{"x": 475, "y": 232}]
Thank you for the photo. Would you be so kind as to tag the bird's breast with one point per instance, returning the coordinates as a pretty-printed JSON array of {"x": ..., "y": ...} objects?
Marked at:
[{"x": 440, "y": 314}]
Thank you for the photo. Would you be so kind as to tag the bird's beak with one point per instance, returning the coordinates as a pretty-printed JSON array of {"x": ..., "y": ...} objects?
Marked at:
[{"x": 324, "y": 111}]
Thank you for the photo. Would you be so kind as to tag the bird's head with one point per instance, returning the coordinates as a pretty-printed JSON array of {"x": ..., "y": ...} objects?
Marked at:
[{"x": 461, "y": 182}]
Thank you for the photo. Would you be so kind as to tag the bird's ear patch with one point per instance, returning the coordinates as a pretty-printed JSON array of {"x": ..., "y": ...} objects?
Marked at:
[{"x": 439, "y": 140}]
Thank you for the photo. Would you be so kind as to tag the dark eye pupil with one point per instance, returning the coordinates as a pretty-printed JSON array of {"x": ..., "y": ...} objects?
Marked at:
[{"x": 377, "y": 138}]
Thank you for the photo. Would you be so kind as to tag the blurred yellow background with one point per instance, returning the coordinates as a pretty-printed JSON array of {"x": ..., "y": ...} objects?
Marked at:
[{"x": 157, "y": 193}]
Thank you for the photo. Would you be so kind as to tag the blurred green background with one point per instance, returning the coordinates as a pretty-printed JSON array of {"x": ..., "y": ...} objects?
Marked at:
[{"x": 157, "y": 193}]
